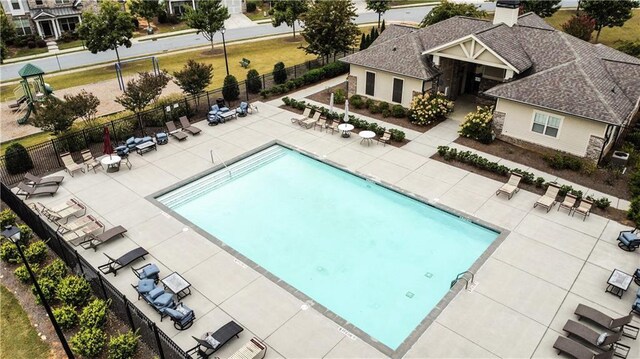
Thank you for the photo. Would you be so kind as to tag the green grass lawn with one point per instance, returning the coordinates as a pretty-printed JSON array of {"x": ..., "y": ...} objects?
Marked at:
[
  {"x": 69, "y": 45},
  {"x": 25, "y": 51},
  {"x": 609, "y": 35},
  {"x": 18, "y": 338}
]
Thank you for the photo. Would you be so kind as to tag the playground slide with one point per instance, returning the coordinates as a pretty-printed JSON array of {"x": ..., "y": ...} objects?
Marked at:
[{"x": 22, "y": 120}]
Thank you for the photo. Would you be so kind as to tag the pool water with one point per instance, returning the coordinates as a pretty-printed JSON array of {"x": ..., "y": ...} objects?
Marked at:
[{"x": 378, "y": 259}]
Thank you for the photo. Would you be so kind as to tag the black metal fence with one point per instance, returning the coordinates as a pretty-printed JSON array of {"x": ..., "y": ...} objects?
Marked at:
[
  {"x": 46, "y": 156},
  {"x": 155, "y": 338}
]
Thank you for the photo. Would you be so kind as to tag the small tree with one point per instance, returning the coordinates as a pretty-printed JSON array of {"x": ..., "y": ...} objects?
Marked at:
[
  {"x": 580, "y": 26},
  {"x": 84, "y": 105},
  {"x": 383, "y": 27},
  {"x": 288, "y": 12},
  {"x": 608, "y": 13},
  {"x": 633, "y": 213},
  {"x": 107, "y": 29},
  {"x": 7, "y": 34},
  {"x": 53, "y": 115},
  {"x": 17, "y": 159},
  {"x": 279, "y": 73},
  {"x": 147, "y": 9},
  {"x": 208, "y": 18},
  {"x": 629, "y": 47},
  {"x": 230, "y": 88},
  {"x": 542, "y": 8},
  {"x": 194, "y": 78},
  {"x": 330, "y": 27},
  {"x": 448, "y": 10},
  {"x": 142, "y": 91},
  {"x": 363, "y": 44},
  {"x": 379, "y": 6},
  {"x": 254, "y": 84}
]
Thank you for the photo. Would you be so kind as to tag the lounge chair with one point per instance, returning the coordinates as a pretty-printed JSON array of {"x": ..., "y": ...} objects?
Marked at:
[
  {"x": 114, "y": 265},
  {"x": 93, "y": 241},
  {"x": 155, "y": 296},
  {"x": 602, "y": 340},
  {"x": 173, "y": 131},
  {"x": 78, "y": 236},
  {"x": 607, "y": 322},
  {"x": 305, "y": 115},
  {"x": 42, "y": 181},
  {"x": 333, "y": 126},
  {"x": 186, "y": 126},
  {"x": 212, "y": 342},
  {"x": 61, "y": 211},
  {"x": 385, "y": 138},
  {"x": 181, "y": 316},
  {"x": 30, "y": 191},
  {"x": 579, "y": 351},
  {"x": 584, "y": 208},
  {"x": 89, "y": 160},
  {"x": 549, "y": 198},
  {"x": 69, "y": 165},
  {"x": 252, "y": 349},
  {"x": 322, "y": 123},
  {"x": 310, "y": 122},
  {"x": 75, "y": 225},
  {"x": 511, "y": 187},
  {"x": 629, "y": 240},
  {"x": 568, "y": 203},
  {"x": 147, "y": 271}
]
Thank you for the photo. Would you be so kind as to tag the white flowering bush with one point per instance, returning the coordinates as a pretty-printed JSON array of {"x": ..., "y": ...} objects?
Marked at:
[
  {"x": 427, "y": 108},
  {"x": 478, "y": 125}
]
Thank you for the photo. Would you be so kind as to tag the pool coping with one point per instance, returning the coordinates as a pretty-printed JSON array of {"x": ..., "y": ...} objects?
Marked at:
[{"x": 346, "y": 328}]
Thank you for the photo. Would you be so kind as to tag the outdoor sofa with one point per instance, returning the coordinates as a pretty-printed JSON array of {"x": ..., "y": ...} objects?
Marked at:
[
  {"x": 155, "y": 296},
  {"x": 147, "y": 271},
  {"x": 181, "y": 316}
]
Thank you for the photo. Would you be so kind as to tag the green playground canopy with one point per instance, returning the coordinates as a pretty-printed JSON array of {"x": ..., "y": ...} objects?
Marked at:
[{"x": 30, "y": 70}]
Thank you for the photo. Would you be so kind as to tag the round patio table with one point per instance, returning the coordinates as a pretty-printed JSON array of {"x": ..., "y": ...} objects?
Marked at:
[
  {"x": 112, "y": 162},
  {"x": 346, "y": 129},
  {"x": 366, "y": 136}
]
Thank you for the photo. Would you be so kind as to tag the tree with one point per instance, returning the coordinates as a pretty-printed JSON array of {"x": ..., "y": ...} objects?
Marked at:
[
  {"x": 17, "y": 159},
  {"x": 288, "y": 11},
  {"x": 208, "y": 18},
  {"x": 107, "y": 29},
  {"x": 7, "y": 34},
  {"x": 254, "y": 84},
  {"x": 84, "y": 105},
  {"x": 230, "y": 88},
  {"x": 580, "y": 26},
  {"x": 448, "y": 10},
  {"x": 363, "y": 43},
  {"x": 53, "y": 115},
  {"x": 608, "y": 13},
  {"x": 542, "y": 8},
  {"x": 279, "y": 73},
  {"x": 383, "y": 27},
  {"x": 379, "y": 6},
  {"x": 147, "y": 9},
  {"x": 142, "y": 91},
  {"x": 330, "y": 28},
  {"x": 194, "y": 78}
]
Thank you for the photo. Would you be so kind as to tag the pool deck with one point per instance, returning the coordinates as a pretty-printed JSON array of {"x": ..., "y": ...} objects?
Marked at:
[{"x": 526, "y": 290}]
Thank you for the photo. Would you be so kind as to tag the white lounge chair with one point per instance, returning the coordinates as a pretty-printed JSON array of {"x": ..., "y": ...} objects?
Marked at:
[
  {"x": 69, "y": 165},
  {"x": 89, "y": 160},
  {"x": 310, "y": 122},
  {"x": 60, "y": 211},
  {"x": 549, "y": 198},
  {"x": 511, "y": 187},
  {"x": 584, "y": 208},
  {"x": 305, "y": 115},
  {"x": 75, "y": 225}
]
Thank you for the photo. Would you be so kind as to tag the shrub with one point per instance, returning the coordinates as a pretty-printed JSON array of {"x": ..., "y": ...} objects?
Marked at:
[
  {"x": 23, "y": 274},
  {"x": 561, "y": 162},
  {"x": 69, "y": 36},
  {"x": 602, "y": 203},
  {"x": 31, "y": 44},
  {"x": 374, "y": 108},
  {"x": 369, "y": 103},
  {"x": 478, "y": 125},
  {"x": 94, "y": 315},
  {"x": 66, "y": 316},
  {"x": 124, "y": 345},
  {"x": 279, "y": 73},
  {"x": 7, "y": 218},
  {"x": 634, "y": 183},
  {"x": 427, "y": 108},
  {"x": 527, "y": 177},
  {"x": 17, "y": 159},
  {"x": 55, "y": 270},
  {"x": 9, "y": 252},
  {"x": 634, "y": 211},
  {"x": 398, "y": 111},
  {"x": 41, "y": 43},
  {"x": 539, "y": 182},
  {"x": 89, "y": 342},
  {"x": 230, "y": 88},
  {"x": 26, "y": 233},
  {"x": 73, "y": 290},
  {"x": 254, "y": 84},
  {"x": 48, "y": 288},
  {"x": 396, "y": 135},
  {"x": 251, "y": 7},
  {"x": 382, "y": 106},
  {"x": 335, "y": 68},
  {"x": 629, "y": 47},
  {"x": 36, "y": 252},
  {"x": 162, "y": 17},
  {"x": 356, "y": 101},
  {"x": 339, "y": 97},
  {"x": 580, "y": 26}
]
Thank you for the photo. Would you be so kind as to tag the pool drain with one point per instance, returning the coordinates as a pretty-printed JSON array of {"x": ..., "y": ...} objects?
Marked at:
[
  {"x": 409, "y": 295},
  {"x": 428, "y": 274}
]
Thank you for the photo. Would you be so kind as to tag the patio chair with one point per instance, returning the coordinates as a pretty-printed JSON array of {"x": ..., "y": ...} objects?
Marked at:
[
  {"x": 181, "y": 316},
  {"x": 243, "y": 109},
  {"x": 60, "y": 211},
  {"x": 636, "y": 276},
  {"x": 310, "y": 122},
  {"x": 629, "y": 240},
  {"x": 213, "y": 342},
  {"x": 173, "y": 131},
  {"x": 114, "y": 265},
  {"x": 252, "y": 349},
  {"x": 549, "y": 198},
  {"x": 385, "y": 138},
  {"x": 333, "y": 126},
  {"x": 155, "y": 296},
  {"x": 511, "y": 187},
  {"x": 147, "y": 271},
  {"x": 34, "y": 180},
  {"x": 69, "y": 165},
  {"x": 584, "y": 208},
  {"x": 614, "y": 324},
  {"x": 78, "y": 236},
  {"x": 30, "y": 191},
  {"x": 321, "y": 123},
  {"x": 93, "y": 241},
  {"x": 601, "y": 340},
  {"x": 186, "y": 126},
  {"x": 568, "y": 203},
  {"x": 579, "y": 351},
  {"x": 89, "y": 160},
  {"x": 75, "y": 225},
  {"x": 305, "y": 115}
]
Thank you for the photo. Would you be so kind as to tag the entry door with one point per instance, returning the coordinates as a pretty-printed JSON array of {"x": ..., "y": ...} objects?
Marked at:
[{"x": 47, "y": 29}]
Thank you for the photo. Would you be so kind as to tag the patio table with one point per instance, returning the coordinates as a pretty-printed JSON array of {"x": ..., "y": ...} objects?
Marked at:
[
  {"x": 346, "y": 129},
  {"x": 366, "y": 136},
  {"x": 618, "y": 282},
  {"x": 178, "y": 285},
  {"x": 112, "y": 162}
]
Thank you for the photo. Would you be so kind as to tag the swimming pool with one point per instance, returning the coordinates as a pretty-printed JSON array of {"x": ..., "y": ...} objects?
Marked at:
[{"x": 376, "y": 258}]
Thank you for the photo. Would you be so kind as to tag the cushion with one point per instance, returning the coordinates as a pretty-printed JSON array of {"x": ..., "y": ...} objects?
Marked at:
[
  {"x": 155, "y": 293},
  {"x": 146, "y": 285},
  {"x": 224, "y": 109},
  {"x": 164, "y": 300},
  {"x": 212, "y": 341},
  {"x": 629, "y": 236},
  {"x": 130, "y": 141},
  {"x": 137, "y": 140},
  {"x": 637, "y": 274},
  {"x": 173, "y": 313},
  {"x": 161, "y": 135},
  {"x": 146, "y": 139},
  {"x": 151, "y": 270},
  {"x": 183, "y": 309},
  {"x": 215, "y": 108},
  {"x": 601, "y": 339}
]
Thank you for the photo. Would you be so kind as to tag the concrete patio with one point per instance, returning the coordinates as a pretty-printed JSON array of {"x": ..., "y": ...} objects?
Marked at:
[{"x": 526, "y": 290}]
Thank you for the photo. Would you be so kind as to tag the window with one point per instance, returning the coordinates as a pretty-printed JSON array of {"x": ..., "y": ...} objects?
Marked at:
[
  {"x": 397, "y": 90},
  {"x": 63, "y": 1},
  {"x": 370, "y": 83},
  {"x": 546, "y": 124},
  {"x": 15, "y": 5},
  {"x": 39, "y": 2},
  {"x": 23, "y": 27},
  {"x": 68, "y": 24}
]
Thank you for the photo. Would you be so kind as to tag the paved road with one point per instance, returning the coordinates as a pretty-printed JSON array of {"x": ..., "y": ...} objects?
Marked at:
[{"x": 85, "y": 58}]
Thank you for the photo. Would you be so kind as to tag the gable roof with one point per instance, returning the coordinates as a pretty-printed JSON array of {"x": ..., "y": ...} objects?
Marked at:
[{"x": 29, "y": 70}]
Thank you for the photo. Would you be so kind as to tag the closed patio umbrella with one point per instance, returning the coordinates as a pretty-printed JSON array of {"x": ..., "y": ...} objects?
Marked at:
[
  {"x": 331, "y": 103},
  {"x": 107, "y": 149},
  {"x": 346, "y": 111}
]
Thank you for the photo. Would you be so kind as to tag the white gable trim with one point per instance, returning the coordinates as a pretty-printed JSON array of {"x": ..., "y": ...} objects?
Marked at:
[
  {"x": 43, "y": 13},
  {"x": 471, "y": 55}
]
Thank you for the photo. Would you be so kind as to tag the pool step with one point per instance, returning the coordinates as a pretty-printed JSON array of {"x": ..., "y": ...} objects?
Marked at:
[{"x": 219, "y": 178}]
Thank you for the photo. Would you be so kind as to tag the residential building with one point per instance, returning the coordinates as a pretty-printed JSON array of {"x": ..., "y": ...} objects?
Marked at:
[
  {"x": 177, "y": 7},
  {"x": 46, "y": 18}
]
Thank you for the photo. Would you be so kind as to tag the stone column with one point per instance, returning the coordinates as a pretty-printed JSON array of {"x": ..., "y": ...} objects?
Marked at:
[
  {"x": 498, "y": 121},
  {"x": 352, "y": 85},
  {"x": 594, "y": 148}
]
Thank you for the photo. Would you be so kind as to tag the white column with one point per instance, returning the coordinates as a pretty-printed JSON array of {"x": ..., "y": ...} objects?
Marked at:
[
  {"x": 170, "y": 7},
  {"x": 39, "y": 28},
  {"x": 508, "y": 75},
  {"x": 56, "y": 28},
  {"x": 193, "y": 4},
  {"x": 436, "y": 60}
]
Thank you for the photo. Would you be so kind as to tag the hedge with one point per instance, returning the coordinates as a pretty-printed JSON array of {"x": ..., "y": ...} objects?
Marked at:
[{"x": 316, "y": 75}]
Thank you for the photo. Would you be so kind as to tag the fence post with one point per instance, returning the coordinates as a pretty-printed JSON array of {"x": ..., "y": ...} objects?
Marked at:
[
  {"x": 79, "y": 263},
  {"x": 264, "y": 84},
  {"x": 246, "y": 91},
  {"x": 155, "y": 331},
  {"x": 104, "y": 290},
  {"x": 113, "y": 129},
  {"x": 55, "y": 150},
  {"x": 64, "y": 256},
  {"x": 126, "y": 306},
  {"x": 84, "y": 135},
  {"x": 295, "y": 72}
]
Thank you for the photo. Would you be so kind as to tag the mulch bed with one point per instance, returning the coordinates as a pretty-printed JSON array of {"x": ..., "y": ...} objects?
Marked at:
[
  {"x": 596, "y": 181},
  {"x": 324, "y": 97}
]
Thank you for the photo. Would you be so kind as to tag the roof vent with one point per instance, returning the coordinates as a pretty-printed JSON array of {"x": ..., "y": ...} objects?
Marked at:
[
  {"x": 506, "y": 12},
  {"x": 394, "y": 49}
]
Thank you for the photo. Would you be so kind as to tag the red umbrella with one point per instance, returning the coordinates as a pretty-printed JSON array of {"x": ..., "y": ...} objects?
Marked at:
[{"x": 107, "y": 149}]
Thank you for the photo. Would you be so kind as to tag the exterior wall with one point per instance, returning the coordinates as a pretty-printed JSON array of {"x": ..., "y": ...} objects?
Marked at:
[
  {"x": 383, "y": 90},
  {"x": 234, "y": 6},
  {"x": 574, "y": 136},
  {"x": 29, "y": 6}
]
